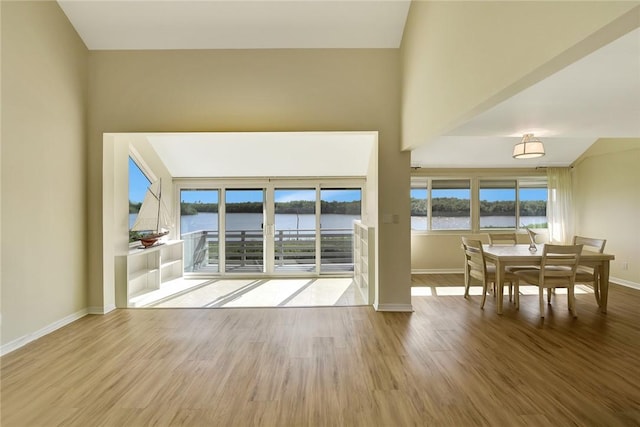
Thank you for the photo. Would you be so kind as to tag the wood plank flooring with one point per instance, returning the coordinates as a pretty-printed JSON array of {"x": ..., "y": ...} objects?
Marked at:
[{"x": 447, "y": 364}]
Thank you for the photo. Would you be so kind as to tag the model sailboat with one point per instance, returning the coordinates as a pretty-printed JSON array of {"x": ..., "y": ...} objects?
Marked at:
[{"x": 153, "y": 216}]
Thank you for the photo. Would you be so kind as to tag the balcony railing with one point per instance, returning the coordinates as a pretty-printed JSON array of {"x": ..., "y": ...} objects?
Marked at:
[{"x": 244, "y": 249}]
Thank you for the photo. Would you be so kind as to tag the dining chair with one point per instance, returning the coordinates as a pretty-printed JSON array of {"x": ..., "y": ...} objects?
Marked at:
[
  {"x": 476, "y": 267},
  {"x": 589, "y": 275},
  {"x": 557, "y": 270},
  {"x": 502, "y": 238},
  {"x": 508, "y": 239}
]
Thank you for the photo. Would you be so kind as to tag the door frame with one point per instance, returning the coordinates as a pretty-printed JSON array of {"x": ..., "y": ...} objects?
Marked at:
[{"x": 268, "y": 184}]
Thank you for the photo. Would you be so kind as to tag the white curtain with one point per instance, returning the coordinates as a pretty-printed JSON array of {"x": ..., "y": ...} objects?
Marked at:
[{"x": 560, "y": 205}]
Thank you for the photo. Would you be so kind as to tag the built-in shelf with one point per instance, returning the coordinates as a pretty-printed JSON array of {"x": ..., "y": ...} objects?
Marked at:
[
  {"x": 141, "y": 271},
  {"x": 363, "y": 260}
]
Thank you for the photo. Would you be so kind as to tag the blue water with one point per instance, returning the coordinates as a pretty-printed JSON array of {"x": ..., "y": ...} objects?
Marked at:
[{"x": 253, "y": 221}]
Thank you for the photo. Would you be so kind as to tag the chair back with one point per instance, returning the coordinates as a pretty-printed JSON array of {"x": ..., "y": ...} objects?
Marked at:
[
  {"x": 503, "y": 238},
  {"x": 595, "y": 245},
  {"x": 476, "y": 264},
  {"x": 559, "y": 264}
]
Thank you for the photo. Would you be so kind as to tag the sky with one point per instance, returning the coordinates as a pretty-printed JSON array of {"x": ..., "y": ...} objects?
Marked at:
[
  {"x": 138, "y": 182},
  {"x": 235, "y": 196}
]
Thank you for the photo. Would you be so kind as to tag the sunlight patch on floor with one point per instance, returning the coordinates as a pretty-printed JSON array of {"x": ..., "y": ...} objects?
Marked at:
[
  {"x": 294, "y": 292},
  {"x": 322, "y": 292},
  {"x": 429, "y": 291}
]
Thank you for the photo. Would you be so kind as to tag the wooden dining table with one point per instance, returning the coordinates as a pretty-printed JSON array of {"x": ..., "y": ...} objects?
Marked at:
[{"x": 511, "y": 255}]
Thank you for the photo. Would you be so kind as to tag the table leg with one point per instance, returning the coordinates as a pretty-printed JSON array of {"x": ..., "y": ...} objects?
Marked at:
[
  {"x": 499, "y": 285},
  {"x": 604, "y": 285}
]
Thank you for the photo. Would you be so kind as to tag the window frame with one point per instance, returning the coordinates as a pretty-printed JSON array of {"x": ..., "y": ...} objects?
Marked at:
[
  {"x": 423, "y": 179},
  {"x": 269, "y": 184}
]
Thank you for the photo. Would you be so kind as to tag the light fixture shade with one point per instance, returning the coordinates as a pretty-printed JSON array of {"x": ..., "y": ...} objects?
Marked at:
[{"x": 529, "y": 148}]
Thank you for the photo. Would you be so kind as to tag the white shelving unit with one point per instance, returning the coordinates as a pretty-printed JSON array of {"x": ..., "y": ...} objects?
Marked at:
[
  {"x": 364, "y": 260},
  {"x": 145, "y": 270}
]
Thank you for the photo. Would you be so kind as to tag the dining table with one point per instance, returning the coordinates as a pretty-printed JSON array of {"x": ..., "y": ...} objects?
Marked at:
[{"x": 520, "y": 255}]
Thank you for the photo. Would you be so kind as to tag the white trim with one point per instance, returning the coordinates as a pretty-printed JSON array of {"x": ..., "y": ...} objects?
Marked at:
[
  {"x": 627, "y": 283},
  {"x": 101, "y": 310},
  {"x": 144, "y": 167},
  {"x": 408, "y": 308},
  {"x": 26, "y": 339},
  {"x": 437, "y": 271}
]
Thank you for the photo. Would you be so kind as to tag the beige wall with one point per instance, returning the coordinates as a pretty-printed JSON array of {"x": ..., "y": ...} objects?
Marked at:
[
  {"x": 44, "y": 101},
  {"x": 256, "y": 90},
  {"x": 460, "y": 58},
  {"x": 607, "y": 199}
]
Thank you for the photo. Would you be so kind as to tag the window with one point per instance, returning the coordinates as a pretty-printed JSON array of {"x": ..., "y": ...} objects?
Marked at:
[
  {"x": 419, "y": 208},
  {"x": 497, "y": 203},
  {"x": 450, "y": 204},
  {"x": 507, "y": 203},
  {"x": 138, "y": 184},
  {"x": 533, "y": 203}
]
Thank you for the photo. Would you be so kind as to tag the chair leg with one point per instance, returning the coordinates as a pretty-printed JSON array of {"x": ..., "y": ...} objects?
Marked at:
[
  {"x": 541, "y": 298},
  {"x": 510, "y": 291},
  {"x": 572, "y": 301},
  {"x": 516, "y": 293},
  {"x": 549, "y": 295},
  {"x": 484, "y": 293},
  {"x": 467, "y": 283},
  {"x": 596, "y": 287}
]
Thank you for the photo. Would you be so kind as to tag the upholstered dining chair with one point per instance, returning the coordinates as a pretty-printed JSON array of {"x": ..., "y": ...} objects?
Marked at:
[
  {"x": 557, "y": 270},
  {"x": 589, "y": 275},
  {"x": 476, "y": 267}
]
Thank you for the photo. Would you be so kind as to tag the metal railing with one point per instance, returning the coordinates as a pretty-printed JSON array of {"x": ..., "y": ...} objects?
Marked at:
[{"x": 245, "y": 248}]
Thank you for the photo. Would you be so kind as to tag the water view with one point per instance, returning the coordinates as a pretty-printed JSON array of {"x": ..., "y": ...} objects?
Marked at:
[
  {"x": 464, "y": 223},
  {"x": 253, "y": 221}
]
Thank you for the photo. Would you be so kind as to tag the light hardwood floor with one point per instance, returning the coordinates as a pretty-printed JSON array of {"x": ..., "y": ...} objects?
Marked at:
[{"x": 447, "y": 364}]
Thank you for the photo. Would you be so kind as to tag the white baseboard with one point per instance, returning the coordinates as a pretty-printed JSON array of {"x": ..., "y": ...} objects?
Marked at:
[
  {"x": 438, "y": 271},
  {"x": 101, "y": 310},
  {"x": 26, "y": 339},
  {"x": 405, "y": 308},
  {"x": 623, "y": 282}
]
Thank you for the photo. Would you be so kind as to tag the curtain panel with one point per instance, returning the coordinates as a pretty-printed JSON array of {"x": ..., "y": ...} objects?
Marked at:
[{"x": 560, "y": 205}]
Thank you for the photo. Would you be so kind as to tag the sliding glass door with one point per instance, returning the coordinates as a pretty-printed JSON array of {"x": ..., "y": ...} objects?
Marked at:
[
  {"x": 339, "y": 208},
  {"x": 295, "y": 230},
  {"x": 244, "y": 230},
  {"x": 277, "y": 229},
  {"x": 199, "y": 229}
]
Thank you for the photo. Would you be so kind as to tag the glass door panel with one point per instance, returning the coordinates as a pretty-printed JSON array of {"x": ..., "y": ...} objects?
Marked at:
[
  {"x": 199, "y": 229},
  {"x": 244, "y": 233},
  {"x": 339, "y": 208},
  {"x": 295, "y": 230}
]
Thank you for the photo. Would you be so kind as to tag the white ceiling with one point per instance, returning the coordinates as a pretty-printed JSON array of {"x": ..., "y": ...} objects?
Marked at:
[
  {"x": 237, "y": 24},
  {"x": 596, "y": 97},
  {"x": 265, "y": 154}
]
